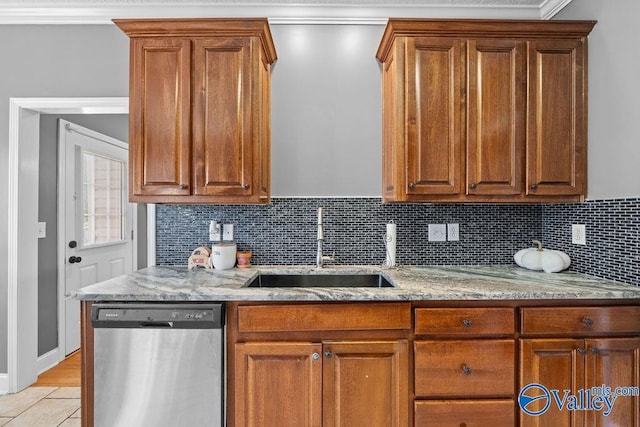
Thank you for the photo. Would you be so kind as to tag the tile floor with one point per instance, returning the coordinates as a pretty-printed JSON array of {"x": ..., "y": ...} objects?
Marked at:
[{"x": 41, "y": 407}]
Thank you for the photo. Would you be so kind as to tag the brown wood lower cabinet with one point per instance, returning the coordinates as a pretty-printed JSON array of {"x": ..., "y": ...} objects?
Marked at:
[
  {"x": 346, "y": 384},
  {"x": 312, "y": 365},
  {"x": 575, "y": 365},
  {"x": 581, "y": 356}
]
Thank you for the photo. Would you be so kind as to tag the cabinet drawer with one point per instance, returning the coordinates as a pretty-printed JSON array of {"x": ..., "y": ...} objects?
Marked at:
[
  {"x": 324, "y": 317},
  {"x": 478, "y": 368},
  {"x": 576, "y": 321},
  {"x": 460, "y": 322},
  {"x": 469, "y": 413}
]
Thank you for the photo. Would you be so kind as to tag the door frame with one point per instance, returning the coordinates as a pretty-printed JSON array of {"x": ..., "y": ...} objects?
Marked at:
[
  {"x": 60, "y": 353},
  {"x": 22, "y": 239}
]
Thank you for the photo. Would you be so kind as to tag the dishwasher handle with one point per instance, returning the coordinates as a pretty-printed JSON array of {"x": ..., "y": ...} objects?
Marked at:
[
  {"x": 158, "y": 316},
  {"x": 160, "y": 325}
]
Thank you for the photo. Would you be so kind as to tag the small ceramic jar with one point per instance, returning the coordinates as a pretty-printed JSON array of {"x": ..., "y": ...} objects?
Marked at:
[{"x": 243, "y": 259}]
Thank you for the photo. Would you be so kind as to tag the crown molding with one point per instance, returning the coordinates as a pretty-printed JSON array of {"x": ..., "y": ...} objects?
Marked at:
[
  {"x": 59, "y": 13},
  {"x": 550, "y": 8}
]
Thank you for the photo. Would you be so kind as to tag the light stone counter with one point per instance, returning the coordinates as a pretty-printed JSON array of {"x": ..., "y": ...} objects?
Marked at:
[{"x": 450, "y": 283}]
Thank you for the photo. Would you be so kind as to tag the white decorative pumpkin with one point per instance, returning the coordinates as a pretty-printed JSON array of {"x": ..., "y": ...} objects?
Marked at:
[{"x": 548, "y": 260}]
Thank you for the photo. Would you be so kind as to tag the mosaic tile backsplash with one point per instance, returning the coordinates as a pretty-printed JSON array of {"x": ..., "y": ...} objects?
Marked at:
[
  {"x": 284, "y": 232},
  {"x": 612, "y": 234}
]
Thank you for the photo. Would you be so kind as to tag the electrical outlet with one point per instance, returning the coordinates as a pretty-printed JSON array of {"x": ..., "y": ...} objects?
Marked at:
[
  {"x": 227, "y": 232},
  {"x": 437, "y": 232},
  {"x": 42, "y": 230},
  {"x": 453, "y": 232},
  {"x": 214, "y": 231},
  {"x": 578, "y": 234}
]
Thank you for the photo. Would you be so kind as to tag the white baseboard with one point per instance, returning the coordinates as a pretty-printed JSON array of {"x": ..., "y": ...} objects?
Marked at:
[
  {"x": 48, "y": 360},
  {"x": 4, "y": 384}
]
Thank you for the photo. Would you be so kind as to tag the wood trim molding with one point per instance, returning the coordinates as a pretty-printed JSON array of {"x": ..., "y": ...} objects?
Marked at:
[{"x": 91, "y": 12}]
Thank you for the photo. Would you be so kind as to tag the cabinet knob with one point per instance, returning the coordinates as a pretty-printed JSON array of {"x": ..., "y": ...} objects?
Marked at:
[
  {"x": 245, "y": 186},
  {"x": 473, "y": 186},
  {"x": 588, "y": 322},
  {"x": 582, "y": 351},
  {"x": 412, "y": 185},
  {"x": 328, "y": 354},
  {"x": 183, "y": 186},
  {"x": 466, "y": 369},
  {"x": 315, "y": 356},
  {"x": 534, "y": 186},
  {"x": 595, "y": 350},
  {"x": 466, "y": 323}
]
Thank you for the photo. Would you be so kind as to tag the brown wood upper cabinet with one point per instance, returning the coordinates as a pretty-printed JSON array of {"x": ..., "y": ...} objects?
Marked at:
[
  {"x": 199, "y": 110},
  {"x": 484, "y": 111}
]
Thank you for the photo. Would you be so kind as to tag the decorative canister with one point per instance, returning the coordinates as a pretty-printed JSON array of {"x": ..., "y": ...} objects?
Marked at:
[
  {"x": 223, "y": 256},
  {"x": 244, "y": 258}
]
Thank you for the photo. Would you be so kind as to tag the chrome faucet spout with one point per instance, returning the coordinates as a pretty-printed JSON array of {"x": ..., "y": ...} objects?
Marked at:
[{"x": 320, "y": 258}]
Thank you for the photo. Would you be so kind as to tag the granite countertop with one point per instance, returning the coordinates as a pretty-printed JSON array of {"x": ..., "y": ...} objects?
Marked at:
[{"x": 447, "y": 283}]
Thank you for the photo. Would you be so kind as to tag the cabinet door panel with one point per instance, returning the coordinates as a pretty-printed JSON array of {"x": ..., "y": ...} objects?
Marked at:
[
  {"x": 160, "y": 117},
  {"x": 556, "y": 365},
  {"x": 496, "y": 117},
  {"x": 222, "y": 117},
  {"x": 614, "y": 362},
  {"x": 556, "y": 142},
  {"x": 435, "y": 87},
  {"x": 366, "y": 384},
  {"x": 278, "y": 384}
]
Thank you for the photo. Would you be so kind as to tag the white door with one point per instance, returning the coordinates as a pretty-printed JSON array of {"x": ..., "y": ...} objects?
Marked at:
[{"x": 98, "y": 220}]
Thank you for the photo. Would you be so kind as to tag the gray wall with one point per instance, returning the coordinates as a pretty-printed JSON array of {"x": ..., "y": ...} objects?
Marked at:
[
  {"x": 614, "y": 67},
  {"x": 326, "y": 111},
  {"x": 116, "y": 126}
]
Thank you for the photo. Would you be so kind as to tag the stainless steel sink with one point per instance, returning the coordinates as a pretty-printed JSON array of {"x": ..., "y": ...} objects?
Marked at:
[{"x": 320, "y": 281}]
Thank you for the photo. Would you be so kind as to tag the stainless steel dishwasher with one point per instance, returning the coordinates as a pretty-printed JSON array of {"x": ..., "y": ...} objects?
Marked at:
[{"x": 158, "y": 364}]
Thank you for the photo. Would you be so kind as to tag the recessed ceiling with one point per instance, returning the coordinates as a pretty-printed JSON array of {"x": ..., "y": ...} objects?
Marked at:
[{"x": 282, "y": 11}]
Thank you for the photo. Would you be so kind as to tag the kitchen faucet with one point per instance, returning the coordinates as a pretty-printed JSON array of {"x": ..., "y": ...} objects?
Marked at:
[{"x": 320, "y": 259}]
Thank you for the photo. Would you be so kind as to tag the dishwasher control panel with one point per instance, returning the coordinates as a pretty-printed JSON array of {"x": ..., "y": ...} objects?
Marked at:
[{"x": 167, "y": 316}]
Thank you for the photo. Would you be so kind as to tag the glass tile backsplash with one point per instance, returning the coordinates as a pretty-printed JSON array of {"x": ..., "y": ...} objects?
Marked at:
[
  {"x": 284, "y": 232},
  {"x": 612, "y": 235}
]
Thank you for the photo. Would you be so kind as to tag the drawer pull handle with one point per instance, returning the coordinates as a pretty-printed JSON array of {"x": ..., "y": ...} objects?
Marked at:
[
  {"x": 315, "y": 356},
  {"x": 595, "y": 350},
  {"x": 466, "y": 370},
  {"x": 582, "y": 351},
  {"x": 588, "y": 322},
  {"x": 466, "y": 323}
]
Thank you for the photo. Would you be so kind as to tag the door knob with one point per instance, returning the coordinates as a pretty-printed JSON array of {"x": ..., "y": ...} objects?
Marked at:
[
  {"x": 74, "y": 259},
  {"x": 73, "y": 244}
]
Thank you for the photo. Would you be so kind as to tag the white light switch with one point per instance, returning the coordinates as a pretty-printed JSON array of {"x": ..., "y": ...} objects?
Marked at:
[
  {"x": 42, "y": 230},
  {"x": 437, "y": 232}
]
